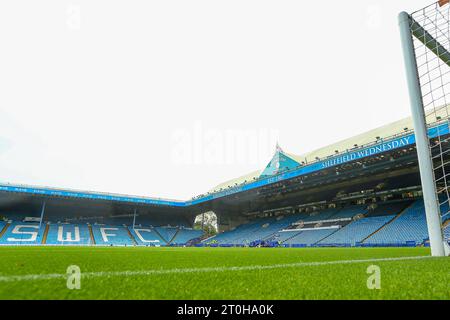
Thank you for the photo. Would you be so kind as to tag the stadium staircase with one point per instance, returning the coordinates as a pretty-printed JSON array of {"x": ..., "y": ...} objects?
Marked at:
[
  {"x": 294, "y": 234},
  {"x": 132, "y": 237},
  {"x": 2, "y": 232},
  {"x": 44, "y": 238},
  {"x": 385, "y": 225},
  {"x": 323, "y": 239},
  {"x": 174, "y": 236},
  {"x": 159, "y": 235},
  {"x": 91, "y": 235}
]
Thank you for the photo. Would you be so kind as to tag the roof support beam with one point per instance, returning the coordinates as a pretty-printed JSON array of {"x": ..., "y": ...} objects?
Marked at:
[{"x": 42, "y": 215}]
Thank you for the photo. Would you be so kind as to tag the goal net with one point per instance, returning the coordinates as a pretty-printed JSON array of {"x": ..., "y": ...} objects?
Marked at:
[{"x": 426, "y": 46}]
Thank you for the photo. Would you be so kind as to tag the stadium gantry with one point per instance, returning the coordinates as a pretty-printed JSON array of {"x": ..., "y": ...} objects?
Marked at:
[{"x": 363, "y": 191}]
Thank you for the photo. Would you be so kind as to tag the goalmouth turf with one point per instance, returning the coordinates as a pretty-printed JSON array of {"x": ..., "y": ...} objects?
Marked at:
[{"x": 217, "y": 273}]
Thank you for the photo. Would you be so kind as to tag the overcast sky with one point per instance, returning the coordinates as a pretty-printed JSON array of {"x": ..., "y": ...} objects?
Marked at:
[{"x": 170, "y": 98}]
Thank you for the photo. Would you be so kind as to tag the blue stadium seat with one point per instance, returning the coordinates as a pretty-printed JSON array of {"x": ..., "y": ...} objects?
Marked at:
[
  {"x": 357, "y": 231},
  {"x": 410, "y": 226},
  {"x": 167, "y": 233},
  {"x": 68, "y": 234},
  {"x": 23, "y": 233},
  {"x": 146, "y": 236},
  {"x": 185, "y": 235},
  {"x": 243, "y": 234},
  {"x": 283, "y": 236},
  {"x": 447, "y": 232},
  {"x": 111, "y": 235},
  {"x": 268, "y": 229},
  {"x": 309, "y": 237}
]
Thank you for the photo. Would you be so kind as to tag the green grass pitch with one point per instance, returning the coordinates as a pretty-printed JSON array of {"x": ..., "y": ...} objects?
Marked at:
[{"x": 221, "y": 273}]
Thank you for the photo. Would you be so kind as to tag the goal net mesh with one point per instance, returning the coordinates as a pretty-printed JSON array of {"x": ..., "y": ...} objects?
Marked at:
[{"x": 431, "y": 36}]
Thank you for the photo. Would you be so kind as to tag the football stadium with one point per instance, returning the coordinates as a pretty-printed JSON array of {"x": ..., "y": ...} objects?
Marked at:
[
  {"x": 361, "y": 204},
  {"x": 308, "y": 226}
]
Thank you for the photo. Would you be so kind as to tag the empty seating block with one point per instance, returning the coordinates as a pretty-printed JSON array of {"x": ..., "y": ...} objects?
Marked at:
[
  {"x": 111, "y": 235},
  {"x": 357, "y": 231},
  {"x": 167, "y": 233},
  {"x": 23, "y": 233},
  {"x": 268, "y": 231},
  {"x": 285, "y": 235},
  {"x": 243, "y": 234},
  {"x": 410, "y": 226},
  {"x": 262, "y": 229},
  {"x": 146, "y": 236},
  {"x": 185, "y": 235},
  {"x": 310, "y": 237},
  {"x": 68, "y": 234}
]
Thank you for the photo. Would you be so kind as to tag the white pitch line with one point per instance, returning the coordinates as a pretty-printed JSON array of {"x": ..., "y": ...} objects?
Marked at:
[{"x": 35, "y": 277}]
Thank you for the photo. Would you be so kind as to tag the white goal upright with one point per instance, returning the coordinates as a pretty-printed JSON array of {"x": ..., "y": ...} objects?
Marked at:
[{"x": 425, "y": 36}]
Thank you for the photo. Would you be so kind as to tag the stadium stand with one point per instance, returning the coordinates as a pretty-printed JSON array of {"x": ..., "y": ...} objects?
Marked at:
[
  {"x": 68, "y": 234},
  {"x": 334, "y": 227},
  {"x": 23, "y": 233},
  {"x": 356, "y": 231},
  {"x": 261, "y": 229},
  {"x": 271, "y": 229},
  {"x": 64, "y": 233},
  {"x": 394, "y": 223},
  {"x": 360, "y": 229}
]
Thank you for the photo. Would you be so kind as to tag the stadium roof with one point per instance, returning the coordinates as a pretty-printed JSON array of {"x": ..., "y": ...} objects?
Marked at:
[
  {"x": 283, "y": 166},
  {"x": 388, "y": 131}
]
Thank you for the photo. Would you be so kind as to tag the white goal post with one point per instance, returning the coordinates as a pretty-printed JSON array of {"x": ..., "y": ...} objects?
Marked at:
[{"x": 425, "y": 36}]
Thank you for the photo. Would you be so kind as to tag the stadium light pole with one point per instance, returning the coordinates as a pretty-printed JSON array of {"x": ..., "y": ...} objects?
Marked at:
[{"x": 422, "y": 143}]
